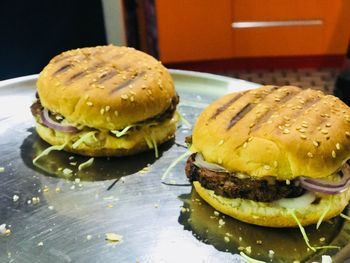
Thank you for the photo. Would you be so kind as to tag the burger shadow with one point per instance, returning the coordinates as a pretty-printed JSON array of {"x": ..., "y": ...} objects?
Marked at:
[
  {"x": 229, "y": 235},
  {"x": 65, "y": 165}
]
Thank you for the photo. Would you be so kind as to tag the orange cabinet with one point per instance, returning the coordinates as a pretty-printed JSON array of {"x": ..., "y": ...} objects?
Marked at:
[{"x": 206, "y": 30}]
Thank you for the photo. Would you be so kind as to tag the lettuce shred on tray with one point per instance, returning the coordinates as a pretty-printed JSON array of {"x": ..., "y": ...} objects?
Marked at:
[
  {"x": 303, "y": 232},
  {"x": 48, "y": 150},
  {"x": 174, "y": 163},
  {"x": 86, "y": 164}
]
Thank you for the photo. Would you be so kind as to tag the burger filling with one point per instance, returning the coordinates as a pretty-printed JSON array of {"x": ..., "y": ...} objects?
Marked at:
[
  {"x": 266, "y": 189},
  {"x": 57, "y": 121},
  {"x": 237, "y": 186}
]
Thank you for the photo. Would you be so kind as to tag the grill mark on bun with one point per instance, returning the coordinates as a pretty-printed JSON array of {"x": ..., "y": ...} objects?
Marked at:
[
  {"x": 127, "y": 82},
  {"x": 321, "y": 122},
  {"x": 65, "y": 57},
  {"x": 222, "y": 108},
  {"x": 266, "y": 116},
  {"x": 78, "y": 75},
  {"x": 289, "y": 95},
  {"x": 62, "y": 69},
  {"x": 75, "y": 77},
  {"x": 249, "y": 106},
  {"x": 106, "y": 76},
  {"x": 308, "y": 104},
  {"x": 298, "y": 115},
  {"x": 80, "y": 58}
]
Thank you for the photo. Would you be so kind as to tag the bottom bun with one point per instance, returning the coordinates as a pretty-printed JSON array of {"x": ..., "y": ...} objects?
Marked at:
[
  {"x": 272, "y": 214},
  {"x": 103, "y": 143}
]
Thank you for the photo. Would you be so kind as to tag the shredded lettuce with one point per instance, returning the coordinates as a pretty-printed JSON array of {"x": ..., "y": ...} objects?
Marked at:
[
  {"x": 303, "y": 232},
  {"x": 85, "y": 164},
  {"x": 48, "y": 150},
  {"x": 249, "y": 259},
  {"x": 302, "y": 229},
  {"x": 345, "y": 216},
  {"x": 149, "y": 142},
  {"x": 183, "y": 120},
  {"x": 123, "y": 132},
  {"x": 155, "y": 146},
  {"x": 152, "y": 144},
  {"x": 319, "y": 222},
  {"x": 327, "y": 247},
  {"x": 174, "y": 163},
  {"x": 84, "y": 138}
]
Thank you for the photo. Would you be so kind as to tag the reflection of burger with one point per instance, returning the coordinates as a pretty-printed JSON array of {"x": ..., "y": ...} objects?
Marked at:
[
  {"x": 105, "y": 100},
  {"x": 63, "y": 165},
  {"x": 273, "y": 156},
  {"x": 261, "y": 243}
]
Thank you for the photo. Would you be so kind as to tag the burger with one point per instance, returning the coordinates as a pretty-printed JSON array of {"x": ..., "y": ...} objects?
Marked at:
[
  {"x": 105, "y": 101},
  {"x": 273, "y": 156}
]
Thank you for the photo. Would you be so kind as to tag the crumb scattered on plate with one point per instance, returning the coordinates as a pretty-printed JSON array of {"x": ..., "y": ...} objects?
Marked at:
[
  {"x": 35, "y": 200},
  {"x": 113, "y": 237},
  {"x": 15, "y": 198},
  {"x": 4, "y": 231},
  {"x": 67, "y": 172}
]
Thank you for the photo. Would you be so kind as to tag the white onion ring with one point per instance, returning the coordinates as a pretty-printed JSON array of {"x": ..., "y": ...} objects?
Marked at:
[
  {"x": 327, "y": 187},
  {"x": 47, "y": 121},
  {"x": 297, "y": 202},
  {"x": 201, "y": 163}
]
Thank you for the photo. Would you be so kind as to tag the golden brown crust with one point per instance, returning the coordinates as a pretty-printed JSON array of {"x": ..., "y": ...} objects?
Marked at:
[
  {"x": 107, "y": 144},
  {"x": 271, "y": 214},
  {"x": 105, "y": 87},
  {"x": 285, "y": 132}
]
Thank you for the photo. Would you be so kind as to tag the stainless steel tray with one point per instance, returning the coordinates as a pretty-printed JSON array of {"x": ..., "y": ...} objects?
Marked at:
[{"x": 58, "y": 218}]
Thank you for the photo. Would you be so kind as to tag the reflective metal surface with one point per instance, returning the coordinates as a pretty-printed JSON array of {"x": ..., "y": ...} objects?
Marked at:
[{"x": 52, "y": 216}]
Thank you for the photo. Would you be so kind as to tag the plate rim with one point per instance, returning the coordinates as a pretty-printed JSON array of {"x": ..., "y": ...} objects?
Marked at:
[{"x": 188, "y": 73}]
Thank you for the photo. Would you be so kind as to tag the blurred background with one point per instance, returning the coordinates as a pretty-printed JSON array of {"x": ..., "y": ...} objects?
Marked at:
[{"x": 270, "y": 42}]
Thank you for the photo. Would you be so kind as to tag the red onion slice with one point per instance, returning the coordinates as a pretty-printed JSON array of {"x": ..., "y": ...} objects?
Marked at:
[
  {"x": 49, "y": 122},
  {"x": 326, "y": 187}
]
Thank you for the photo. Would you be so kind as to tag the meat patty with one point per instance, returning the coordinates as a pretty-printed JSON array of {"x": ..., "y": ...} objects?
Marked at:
[
  {"x": 229, "y": 185},
  {"x": 36, "y": 108}
]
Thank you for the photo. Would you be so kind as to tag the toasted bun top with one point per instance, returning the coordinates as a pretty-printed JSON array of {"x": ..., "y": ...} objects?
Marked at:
[
  {"x": 105, "y": 87},
  {"x": 284, "y": 132}
]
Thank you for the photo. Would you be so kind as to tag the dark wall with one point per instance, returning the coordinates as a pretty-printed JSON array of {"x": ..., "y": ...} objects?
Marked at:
[
  {"x": 141, "y": 25},
  {"x": 32, "y": 32}
]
